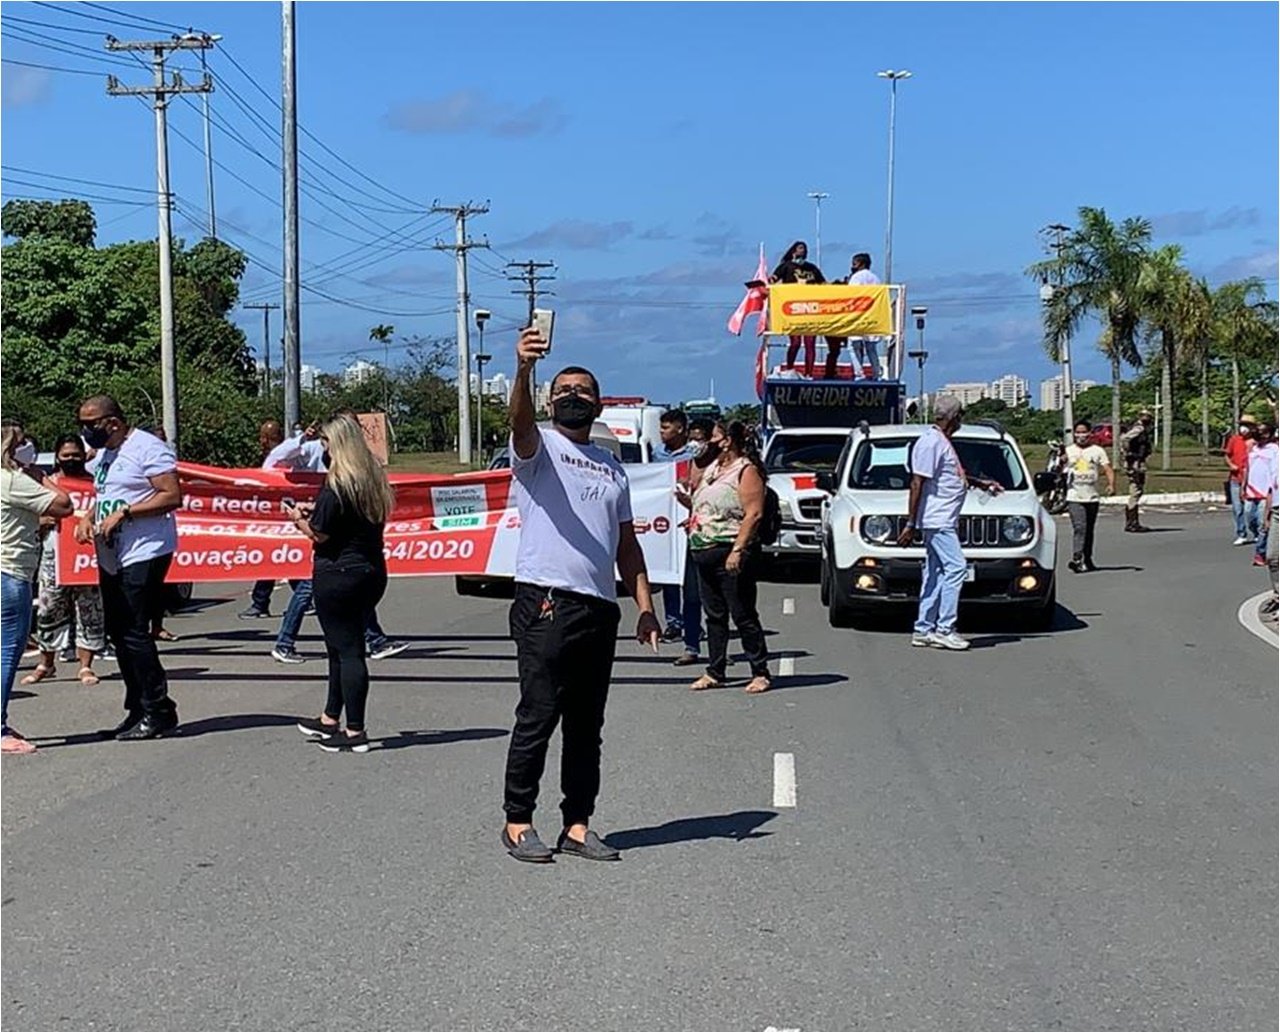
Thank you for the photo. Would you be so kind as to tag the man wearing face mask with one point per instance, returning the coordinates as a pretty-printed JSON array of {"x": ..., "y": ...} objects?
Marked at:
[
  {"x": 1236, "y": 453},
  {"x": 132, "y": 527},
  {"x": 575, "y": 524},
  {"x": 1085, "y": 464},
  {"x": 938, "y": 487}
]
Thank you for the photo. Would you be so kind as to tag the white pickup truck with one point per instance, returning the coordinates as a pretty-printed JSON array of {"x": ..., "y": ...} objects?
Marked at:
[{"x": 1009, "y": 540}]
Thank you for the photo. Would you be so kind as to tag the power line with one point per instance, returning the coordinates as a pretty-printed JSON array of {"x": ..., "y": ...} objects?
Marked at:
[{"x": 50, "y": 68}]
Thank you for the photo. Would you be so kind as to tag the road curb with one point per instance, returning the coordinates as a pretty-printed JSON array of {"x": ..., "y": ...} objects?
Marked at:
[
  {"x": 1170, "y": 498},
  {"x": 1248, "y": 617}
]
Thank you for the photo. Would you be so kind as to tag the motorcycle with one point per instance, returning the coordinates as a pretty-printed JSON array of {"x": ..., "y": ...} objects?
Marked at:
[{"x": 1055, "y": 499}]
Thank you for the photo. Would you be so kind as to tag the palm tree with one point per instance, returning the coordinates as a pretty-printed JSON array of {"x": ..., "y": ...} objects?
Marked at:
[
  {"x": 1244, "y": 327},
  {"x": 1177, "y": 313},
  {"x": 1098, "y": 268}
]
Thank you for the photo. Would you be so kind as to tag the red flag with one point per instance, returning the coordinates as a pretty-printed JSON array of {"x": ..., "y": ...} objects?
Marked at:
[{"x": 757, "y": 295}]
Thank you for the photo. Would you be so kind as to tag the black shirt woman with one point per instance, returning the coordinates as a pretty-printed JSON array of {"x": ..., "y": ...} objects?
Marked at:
[
  {"x": 349, "y": 576},
  {"x": 796, "y": 268}
]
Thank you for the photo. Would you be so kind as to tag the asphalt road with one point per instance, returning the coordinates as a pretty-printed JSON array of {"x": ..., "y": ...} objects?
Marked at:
[{"x": 1067, "y": 830}]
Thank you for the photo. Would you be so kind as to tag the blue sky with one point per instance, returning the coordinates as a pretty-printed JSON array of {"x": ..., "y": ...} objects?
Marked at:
[{"x": 648, "y": 148}]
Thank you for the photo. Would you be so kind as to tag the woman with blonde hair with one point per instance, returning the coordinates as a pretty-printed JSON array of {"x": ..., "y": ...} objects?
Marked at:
[
  {"x": 349, "y": 575},
  {"x": 23, "y": 501}
]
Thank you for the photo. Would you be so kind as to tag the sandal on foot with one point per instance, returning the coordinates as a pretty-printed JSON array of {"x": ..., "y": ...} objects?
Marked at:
[
  {"x": 40, "y": 673},
  {"x": 758, "y": 685},
  {"x": 706, "y": 682},
  {"x": 164, "y": 635},
  {"x": 88, "y": 676}
]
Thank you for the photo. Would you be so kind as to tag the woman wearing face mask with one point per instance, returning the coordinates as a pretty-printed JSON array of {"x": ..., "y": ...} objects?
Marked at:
[
  {"x": 349, "y": 576},
  {"x": 1086, "y": 463},
  {"x": 59, "y": 603},
  {"x": 23, "y": 501},
  {"x": 727, "y": 504}
]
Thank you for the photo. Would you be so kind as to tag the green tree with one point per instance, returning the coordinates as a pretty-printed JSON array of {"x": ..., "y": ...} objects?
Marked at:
[
  {"x": 72, "y": 221},
  {"x": 1244, "y": 331},
  {"x": 1098, "y": 269}
]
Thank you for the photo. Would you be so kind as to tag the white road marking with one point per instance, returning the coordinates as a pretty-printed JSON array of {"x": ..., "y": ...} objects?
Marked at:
[
  {"x": 787, "y": 666},
  {"x": 788, "y": 606},
  {"x": 1248, "y": 616},
  {"x": 784, "y": 779}
]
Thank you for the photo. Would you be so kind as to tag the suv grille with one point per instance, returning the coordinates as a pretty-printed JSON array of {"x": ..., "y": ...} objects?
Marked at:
[
  {"x": 810, "y": 509},
  {"x": 977, "y": 531}
]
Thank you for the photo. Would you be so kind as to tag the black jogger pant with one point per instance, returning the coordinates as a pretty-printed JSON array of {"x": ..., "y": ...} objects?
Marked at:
[
  {"x": 726, "y": 595},
  {"x": 565, "y": 644},
  {"x": 1084, "y": 516},
  {"x": 345, "y": 598},
  {"x": 130, "y": 598}
]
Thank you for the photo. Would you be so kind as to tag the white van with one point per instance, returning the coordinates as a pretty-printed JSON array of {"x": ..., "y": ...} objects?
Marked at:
[{"x": 637, "y": 427}]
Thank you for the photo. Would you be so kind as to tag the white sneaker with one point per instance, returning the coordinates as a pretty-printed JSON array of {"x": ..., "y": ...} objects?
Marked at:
[
  {"x": 1241, "y": 540},
  {"x": 921, "y": 639},
  {"x": 948, "y": 641}
]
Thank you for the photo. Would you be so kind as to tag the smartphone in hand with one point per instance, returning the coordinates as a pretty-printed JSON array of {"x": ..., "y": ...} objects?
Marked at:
[{"x": 544, "y": 321}]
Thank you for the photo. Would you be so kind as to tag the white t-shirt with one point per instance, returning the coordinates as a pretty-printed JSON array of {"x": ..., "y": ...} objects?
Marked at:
[
  {"x": 572, "y": 499},
  {"x": 934, "y": 458},
  {"x": 295, "y": 454},
  {"x": 122, "y": 476},
  {"x": 1261, "y": 480},
  {"x": 1084, "y": 467},
  {"x": 864, "y": 277}
]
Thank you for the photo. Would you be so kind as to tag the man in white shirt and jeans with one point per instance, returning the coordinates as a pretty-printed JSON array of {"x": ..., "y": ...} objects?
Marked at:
[
  {"x": 575, "y": 524},
  {"x": 938, "y": 488}
]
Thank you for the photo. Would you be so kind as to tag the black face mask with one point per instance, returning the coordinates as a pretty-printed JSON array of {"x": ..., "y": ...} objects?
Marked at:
[
  {"x": 95, "y": 437},
  {"x": 71, "y": 467},
  {"x": 573, "y": 412},
  {"x": 711, "y": 450}
]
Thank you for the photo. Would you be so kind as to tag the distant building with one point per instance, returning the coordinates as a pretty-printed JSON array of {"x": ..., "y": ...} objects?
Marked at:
[
  {"x": 358, "y": 373},
  {"x": 1010, "y": 389},
  {"x": 966, "y": 394},
  {"x": 1051, "y": 391},
  {"x": 307, "y": 376}
]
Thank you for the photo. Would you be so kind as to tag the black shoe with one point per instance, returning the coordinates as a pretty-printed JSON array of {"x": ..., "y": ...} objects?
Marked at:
[
  {"x": 1076, "y": 567},
  {"x": 592, "y": 847},
  {"x": 528, "y": 848},
  {"x": 130, "y": 719},
  {"x": 673, "y": 633},
  {"x": 314, "y": 728},
  {"x": 341, "y": 742},
  {"x": 150, "y": 727}
]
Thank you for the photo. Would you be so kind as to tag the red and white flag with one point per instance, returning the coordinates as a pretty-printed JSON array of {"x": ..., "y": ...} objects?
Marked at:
[{"x": 755, "y": 300}]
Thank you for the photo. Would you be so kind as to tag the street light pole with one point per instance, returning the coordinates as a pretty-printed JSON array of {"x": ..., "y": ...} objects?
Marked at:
[
  {"x": 893, "y": 76},
  {"x": 482, "y": 317},
  {"x": 818, "y": 197},
  {"x": 920, "y": 355}
]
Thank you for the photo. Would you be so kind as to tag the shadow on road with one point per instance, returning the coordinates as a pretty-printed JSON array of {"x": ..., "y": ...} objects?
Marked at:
[
  {"x": 737, "y": 826},
  {"x": 436, "y": 737},
  {"x": 232, "y": 723}
]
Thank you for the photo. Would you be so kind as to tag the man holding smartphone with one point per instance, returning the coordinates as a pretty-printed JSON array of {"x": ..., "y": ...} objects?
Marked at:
[{"x": 575, "y": 524}]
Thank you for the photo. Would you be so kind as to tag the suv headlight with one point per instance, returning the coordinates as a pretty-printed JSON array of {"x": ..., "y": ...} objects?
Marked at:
[
  {"x": 1016, "y": 529},
  {"x": 877, "y": 528},
  {"x": 785, "y": 510}
]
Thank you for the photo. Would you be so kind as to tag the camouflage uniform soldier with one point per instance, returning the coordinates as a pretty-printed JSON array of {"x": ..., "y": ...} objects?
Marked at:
[{"x": 1135, "y": 445}]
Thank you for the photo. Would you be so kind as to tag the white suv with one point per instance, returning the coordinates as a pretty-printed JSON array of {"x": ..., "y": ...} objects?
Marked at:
[{"x": 1009, "y": 540}]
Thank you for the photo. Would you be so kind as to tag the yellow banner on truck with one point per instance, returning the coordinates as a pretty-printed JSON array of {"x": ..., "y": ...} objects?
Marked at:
[{"x": 830, "y": 309}]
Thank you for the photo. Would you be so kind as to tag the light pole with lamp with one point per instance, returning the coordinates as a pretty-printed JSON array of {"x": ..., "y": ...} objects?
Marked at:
[
  {"x": 482, "y": 316},
  {"x": 893, "y": 76},
  {"x": 818, "y": 197},
  {"x": 1047, "y": 292},
  {"x": 921, "y": 356}
]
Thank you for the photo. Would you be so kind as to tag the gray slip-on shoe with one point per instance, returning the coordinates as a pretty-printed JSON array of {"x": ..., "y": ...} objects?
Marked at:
[
  {"x": 527, "y": 848},
  {"x": 592, "y": 847}
]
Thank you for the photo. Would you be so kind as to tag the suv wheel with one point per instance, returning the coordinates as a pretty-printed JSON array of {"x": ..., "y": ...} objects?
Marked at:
[
  {"x": 824, "y": 585},
  {"x": 1042, "y": 619},
  {"x": 839, "y": 613}
]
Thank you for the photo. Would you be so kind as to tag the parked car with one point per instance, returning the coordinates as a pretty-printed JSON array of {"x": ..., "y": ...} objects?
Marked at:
[
  {"x": 1102, "y": 435},
  {"x": 1009, "y": 541}
]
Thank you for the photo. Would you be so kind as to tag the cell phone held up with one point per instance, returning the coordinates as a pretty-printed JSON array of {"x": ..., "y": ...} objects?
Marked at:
[{"x": 544, "y": 321}]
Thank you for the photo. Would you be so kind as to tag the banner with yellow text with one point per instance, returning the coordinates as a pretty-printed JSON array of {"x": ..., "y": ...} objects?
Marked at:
[{"x": 830, "y": 309}]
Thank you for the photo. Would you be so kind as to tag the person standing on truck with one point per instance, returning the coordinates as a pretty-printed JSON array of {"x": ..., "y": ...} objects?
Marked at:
[
  {"x": 795, "y": 268},
  {"x": 1135, "y": 446},
  {"x": 684, "y": 616},
  {"x": 938, "y": 488},
  {"x": 1085, "y": 463},
  {"x": 574, "y": 502},
  {"x": 864, "y": 348}
]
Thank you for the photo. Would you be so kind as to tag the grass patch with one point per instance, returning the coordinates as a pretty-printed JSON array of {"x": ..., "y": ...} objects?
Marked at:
[{"x": 426, "y": 462}]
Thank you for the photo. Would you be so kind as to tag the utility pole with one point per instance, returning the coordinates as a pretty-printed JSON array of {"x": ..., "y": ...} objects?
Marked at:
[
  {"x": 460, "y": 247},
  {"x": 1068, "y": 384},
  {"x": 530, "y": 277},
  {"x": 266, "y": 307},
  {"x": 289, "y": 163},
  {"x": 818, "y": 196},
  {"x": 160, "y": 91}
]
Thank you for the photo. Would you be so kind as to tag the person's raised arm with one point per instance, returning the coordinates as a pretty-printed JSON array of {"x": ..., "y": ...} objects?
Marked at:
[{"x": 524, "y": 422}]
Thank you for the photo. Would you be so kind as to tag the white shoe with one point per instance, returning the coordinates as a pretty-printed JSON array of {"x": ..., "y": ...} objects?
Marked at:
[
  {"x": 921, "y": 639},
  {"x": 1241, "y": 540},
  {"x": 948, "y": 641}
]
